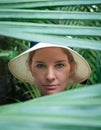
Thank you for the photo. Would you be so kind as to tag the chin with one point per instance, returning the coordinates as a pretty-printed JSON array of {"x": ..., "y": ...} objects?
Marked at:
[{"x": 52, "y": 92}]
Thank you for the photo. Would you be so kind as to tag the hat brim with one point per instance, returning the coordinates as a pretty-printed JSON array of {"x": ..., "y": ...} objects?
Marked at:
[{"x": 19, "y": 67}]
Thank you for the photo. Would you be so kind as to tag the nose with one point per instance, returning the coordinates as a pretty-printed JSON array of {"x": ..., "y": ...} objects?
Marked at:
[{"x": 50, "y": 76}]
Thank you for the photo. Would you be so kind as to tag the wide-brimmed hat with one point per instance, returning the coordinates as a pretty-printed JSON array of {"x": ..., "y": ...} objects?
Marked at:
[{"x": 19, "y": 66}]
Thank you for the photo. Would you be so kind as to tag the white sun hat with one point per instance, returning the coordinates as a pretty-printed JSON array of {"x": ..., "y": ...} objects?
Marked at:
[{"x": 19, "y": 66}]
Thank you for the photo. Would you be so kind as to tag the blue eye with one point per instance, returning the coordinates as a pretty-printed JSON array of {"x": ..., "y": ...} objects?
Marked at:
[
  {"x": 40, "y": 66},
  {"x": 60, "y": 65}
]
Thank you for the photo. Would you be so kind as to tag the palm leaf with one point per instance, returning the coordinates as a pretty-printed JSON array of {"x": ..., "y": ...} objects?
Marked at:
[
  {"x": 45, "y": 14},
  {"x": 44, "y": 3},
  {"x": 52, "y": 29},
  {"x": 87, "y": 44},
  {"x": 73, "y": 110}
]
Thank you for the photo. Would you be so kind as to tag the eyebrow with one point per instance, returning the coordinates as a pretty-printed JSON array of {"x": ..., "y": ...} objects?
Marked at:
[
  {"x": 60, "y": 61},
  {"x": 56, "y": 61},
  {"x": 39, "y": 62}
]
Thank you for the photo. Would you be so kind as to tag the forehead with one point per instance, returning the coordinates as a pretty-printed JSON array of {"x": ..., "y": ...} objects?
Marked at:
[{"x": 52, "y": 52}]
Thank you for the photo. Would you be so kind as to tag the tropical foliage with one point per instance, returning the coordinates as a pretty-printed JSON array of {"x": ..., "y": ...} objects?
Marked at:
[
  {"x": 76, "y": 24},
  {"x": 74, "y": 109}
]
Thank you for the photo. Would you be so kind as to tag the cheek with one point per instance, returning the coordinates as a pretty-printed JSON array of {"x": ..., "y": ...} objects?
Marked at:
[
  {"x": 66, "y": 72},
  {"x": 64, "y": 76},
  {"x": 38, "y": 77}
]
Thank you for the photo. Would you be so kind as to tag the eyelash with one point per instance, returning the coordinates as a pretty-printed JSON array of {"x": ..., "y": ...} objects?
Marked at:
[
  {"x": 41, "y": 66},
  {"x": 60, "y": 65}
]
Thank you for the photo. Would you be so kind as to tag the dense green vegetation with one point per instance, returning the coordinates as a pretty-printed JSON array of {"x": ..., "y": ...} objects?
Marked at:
[{"x": 76, "y": 24}]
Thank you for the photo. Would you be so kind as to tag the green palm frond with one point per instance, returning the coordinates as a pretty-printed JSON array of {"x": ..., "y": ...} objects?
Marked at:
[
  {"x": 73, "y": 110},
  {"x": 52, "y": 29},
  {"x": 44, "y": 3},
  {"x": 47, "y": 14}
]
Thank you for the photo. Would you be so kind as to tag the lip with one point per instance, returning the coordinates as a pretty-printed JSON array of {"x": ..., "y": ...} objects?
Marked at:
[{"x": 50, "y": 86}]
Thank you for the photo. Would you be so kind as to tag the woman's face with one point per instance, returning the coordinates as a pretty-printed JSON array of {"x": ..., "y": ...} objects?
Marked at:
[{"x": 51, "y": 70}]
